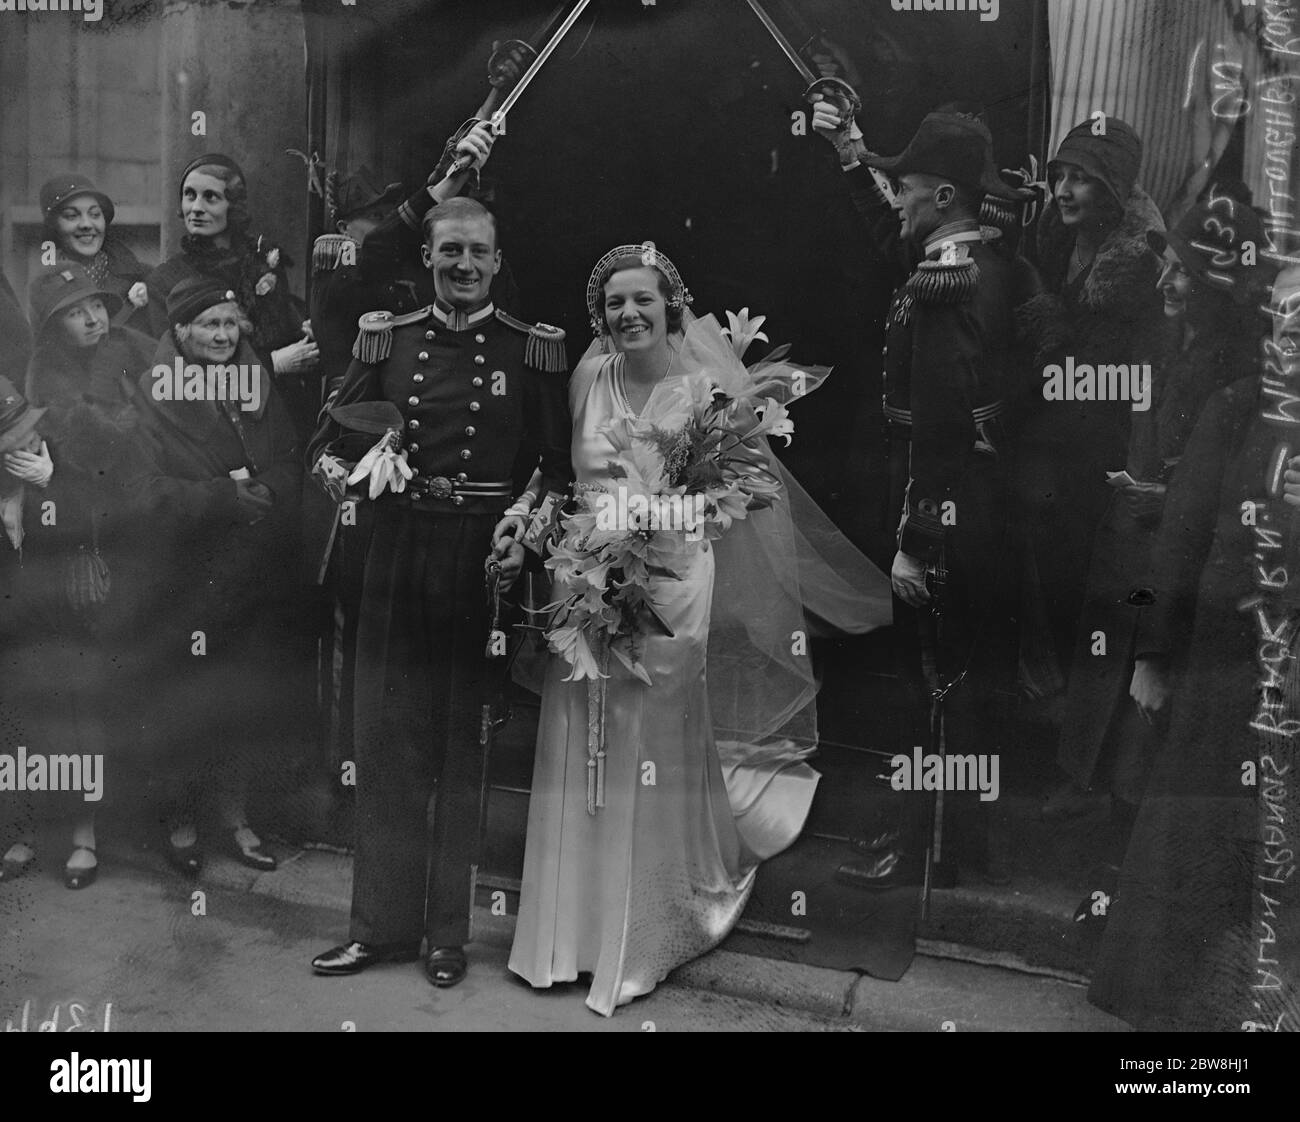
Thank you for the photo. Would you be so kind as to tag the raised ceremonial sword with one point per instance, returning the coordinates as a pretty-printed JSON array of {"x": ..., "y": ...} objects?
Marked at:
[
  {"x": 832, "y": 89},
  {"x": 498, "y": 118}
]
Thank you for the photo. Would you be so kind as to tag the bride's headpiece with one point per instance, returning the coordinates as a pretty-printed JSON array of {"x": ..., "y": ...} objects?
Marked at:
[{"x": 652, "y": 258}]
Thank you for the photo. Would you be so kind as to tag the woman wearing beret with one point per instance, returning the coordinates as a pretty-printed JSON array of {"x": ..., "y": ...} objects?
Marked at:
[
  {"x": 78, "y": 219},
  {"x": 218, "y": 244},
  {"x": 222, "y": 493}
]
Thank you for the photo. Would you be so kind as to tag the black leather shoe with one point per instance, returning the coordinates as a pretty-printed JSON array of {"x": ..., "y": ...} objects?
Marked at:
[
  {"x": 446, "y": 966},
  {"x": 254, "y": 856},
  {"x": 76, "y": 878},
  {"x": 185, "y": 859},
  {"x": 352, "y": 958}
]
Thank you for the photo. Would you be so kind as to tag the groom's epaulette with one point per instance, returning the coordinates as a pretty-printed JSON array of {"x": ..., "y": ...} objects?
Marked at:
[
  {"x": 545, "y": 349},
  {"x": 375, "y": 333}
]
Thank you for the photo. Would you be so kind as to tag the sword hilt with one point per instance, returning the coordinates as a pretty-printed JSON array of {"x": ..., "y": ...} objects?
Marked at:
[{"x": 838, "y": 92}]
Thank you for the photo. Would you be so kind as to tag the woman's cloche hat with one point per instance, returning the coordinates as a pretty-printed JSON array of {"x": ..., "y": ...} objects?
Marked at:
[
  {"x": 60, "y": 286},
  {"x": 57, "y": 191}
]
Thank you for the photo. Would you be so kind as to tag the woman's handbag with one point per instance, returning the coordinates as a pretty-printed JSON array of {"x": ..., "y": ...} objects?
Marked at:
[{"x": 88, "y": 579}]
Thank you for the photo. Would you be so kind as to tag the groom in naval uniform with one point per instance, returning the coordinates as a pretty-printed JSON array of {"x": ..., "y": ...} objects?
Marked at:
[
  {"x": 475, "y": 400},
  {"x": 950, "y": 364}
]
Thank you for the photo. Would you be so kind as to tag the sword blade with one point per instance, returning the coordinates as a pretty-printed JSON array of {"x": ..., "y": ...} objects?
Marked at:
[
  {"x": 782, "y": 42},
  {"x": 540, "y": 61}
]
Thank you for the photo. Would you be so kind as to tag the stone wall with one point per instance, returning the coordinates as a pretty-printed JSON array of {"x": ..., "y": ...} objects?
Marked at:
[{"x": 78, "y": 97}]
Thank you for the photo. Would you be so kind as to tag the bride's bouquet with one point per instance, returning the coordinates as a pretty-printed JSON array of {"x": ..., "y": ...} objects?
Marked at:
[{"x": 686, "y": 475}]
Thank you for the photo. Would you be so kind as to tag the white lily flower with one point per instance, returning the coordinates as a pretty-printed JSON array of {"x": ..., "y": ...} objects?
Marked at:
[{"x": 742, "y": 330}]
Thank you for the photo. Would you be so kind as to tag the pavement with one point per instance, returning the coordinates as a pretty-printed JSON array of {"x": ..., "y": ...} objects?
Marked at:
[{"x": 242, "y": 964}]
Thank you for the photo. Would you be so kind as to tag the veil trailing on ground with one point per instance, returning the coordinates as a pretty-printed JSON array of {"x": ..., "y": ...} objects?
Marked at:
[{"x": 780, "y": 572}]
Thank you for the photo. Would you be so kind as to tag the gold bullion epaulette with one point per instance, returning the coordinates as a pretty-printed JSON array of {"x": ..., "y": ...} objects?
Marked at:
[
  {"x": 375, "y": 333},
  {"x": 329, "y": 251},
  {"x": 545, "y": 349},
  {"x": 949, "y": 280}
]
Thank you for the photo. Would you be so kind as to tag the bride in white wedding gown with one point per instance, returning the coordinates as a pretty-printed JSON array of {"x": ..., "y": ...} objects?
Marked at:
[{"x": 703, "y": 771}]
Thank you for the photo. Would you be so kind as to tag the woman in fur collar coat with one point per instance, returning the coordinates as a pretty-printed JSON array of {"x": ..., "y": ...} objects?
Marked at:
[{"x": 1100, "y": 307}]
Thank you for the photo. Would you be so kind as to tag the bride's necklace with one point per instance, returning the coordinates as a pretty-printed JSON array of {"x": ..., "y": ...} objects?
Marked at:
[{"x": 622, "y": 385}]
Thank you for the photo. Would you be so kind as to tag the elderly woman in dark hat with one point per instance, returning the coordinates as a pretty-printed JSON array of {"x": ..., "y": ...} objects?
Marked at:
[
  {"x": 54, "y": 581},
  {"x": 218, "y": 244},
  {"x": 1100, "y": 306},
  {"x": 78, "y": 220},
  {"x": 223, "y": 491},
  {"x": 1115, "y": 710}
]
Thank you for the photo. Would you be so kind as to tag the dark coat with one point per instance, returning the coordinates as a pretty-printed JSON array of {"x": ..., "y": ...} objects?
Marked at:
[
  {"x": 204, "y": 534},
  {"x": 15, "y": 335},
  {"x": 1182, "y": 381},
  {"x": 276, "y": 316},
  {"x": 56, "y": 679},
  {"x": 1111, "y": 315},
  {"x": 213, "y": 571},
  {"x": 1173, "y": 954},
  {"x": 90, "y": 400}
]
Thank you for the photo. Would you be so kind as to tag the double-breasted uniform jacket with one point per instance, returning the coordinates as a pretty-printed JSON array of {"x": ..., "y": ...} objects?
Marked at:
[
  {"x": 949, "y": 344},
  {"x": 482, "y": 402},
  {"x": 482, "y": 399},
  {"x": 949, "y": 351}
]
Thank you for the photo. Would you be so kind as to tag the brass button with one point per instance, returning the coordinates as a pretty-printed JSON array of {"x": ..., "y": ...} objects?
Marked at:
[
  {"x": 417, "y": 377},
  {"x": 480, "y": 338},
  {"x": 470, "y": 430},
  {"x": 414, "y": 472},
  {"x": 458, "y": 500},
  {"x": 461, "y": 477},
  {"x": 416, "y": 496},
  {"x": 477, "y": 383},
  {"x": 412, "y": 400},
  {"x": 465, "y": 453},
  {"x": 413, "y": 423},
  {"x": 412, "y": 447},
  {"x": 423, "y": 356},
  {"x": 479, "y": 360},
  {"x": 474, "y": 407},
  {"x": 429, "y": 335}
]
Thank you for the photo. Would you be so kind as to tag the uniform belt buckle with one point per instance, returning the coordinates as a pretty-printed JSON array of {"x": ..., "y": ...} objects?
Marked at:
[{"x": 440, "y": 487}]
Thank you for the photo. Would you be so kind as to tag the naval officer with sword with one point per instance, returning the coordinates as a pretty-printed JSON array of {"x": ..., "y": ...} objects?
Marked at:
[{"x": 442, "y": 417}]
